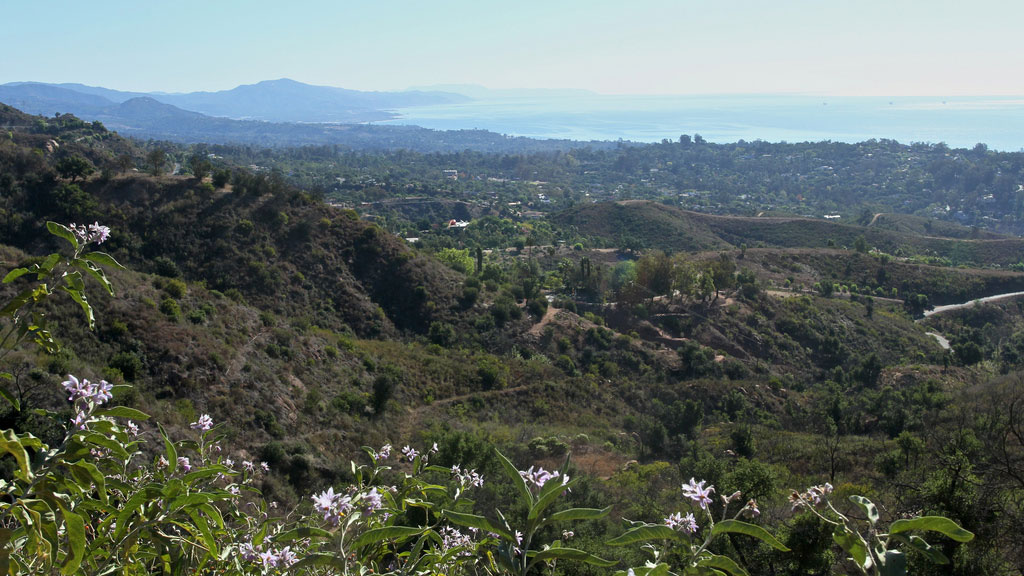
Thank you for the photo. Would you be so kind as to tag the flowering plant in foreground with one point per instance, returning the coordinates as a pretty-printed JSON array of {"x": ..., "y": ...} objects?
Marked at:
[
  {"x": 517, "y": 550},
  {"x": 872, "y": 550},
  {"x": 693, "y": 534}
]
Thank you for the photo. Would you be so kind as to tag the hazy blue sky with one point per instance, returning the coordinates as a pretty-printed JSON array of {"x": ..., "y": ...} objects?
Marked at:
[{"x": 850, "y": 47}]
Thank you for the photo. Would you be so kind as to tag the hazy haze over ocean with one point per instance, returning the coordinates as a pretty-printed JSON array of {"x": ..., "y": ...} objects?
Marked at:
[{"x": 957, "y": 121}]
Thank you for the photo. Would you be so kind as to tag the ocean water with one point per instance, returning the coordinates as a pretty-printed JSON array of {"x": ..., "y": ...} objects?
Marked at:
[{"x": 958, "y": 121}]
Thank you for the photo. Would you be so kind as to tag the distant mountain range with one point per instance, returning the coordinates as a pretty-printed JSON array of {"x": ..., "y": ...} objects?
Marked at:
[
  {"x": 270, "y": 101},
  {"x": 272, "y": 113}
]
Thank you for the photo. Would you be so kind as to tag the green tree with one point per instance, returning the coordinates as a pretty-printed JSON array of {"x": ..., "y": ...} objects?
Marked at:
[
  {"x": 74, "y": 167},
  {"x": 199, "y": 165},
  {"x": 156, "y": 159}
]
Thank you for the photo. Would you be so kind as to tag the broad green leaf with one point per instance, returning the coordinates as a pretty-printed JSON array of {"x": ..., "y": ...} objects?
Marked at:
[
  {"x": 20, "y": 300},
  {"x": 932, "y": 553},
  {"x": 853, "y": 545},
  {"x": 203, "y": 526},
  {"x": 96, "y": 272},
  {"x": 129, "y": 508},
  {"x": 79, "y": 296},
  {"x": 939, "y": 524},
  {"x": 63, "y": 232},
  {"x": 869, "y": 508},
  {"x": 517, "y": 479},
  {"x": 13, "y": 400},
  {"x": 103, "y": 259},
  {"x": 478, "y": 522},
  {"x": 579, "y": 514},
  {"x": 46, "y": 266},
  {"x": 75, "y": 528},
  {"x": 324, "y": 560},
  {"x": 548, "y": 494},
  {"x": 740, "y": 527},
  {"x": 571, "y": 554},
  {"x": 94, "y": 475},
  {"x": 15, "y": 274},
  {"x": 645, "y": 533},
  {"x": 723, "y": 563},
  {"x": 123, "y": 412},
  {"x": 397, "y": 533},
  {"x": 102, "y": 441},
  {"x": 12, "y": 444}
]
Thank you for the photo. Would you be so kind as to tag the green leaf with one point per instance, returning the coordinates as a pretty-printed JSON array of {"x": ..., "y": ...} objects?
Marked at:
[
  {"x": 397, "y": 533},
  {"x": 103, "y": 259},
  {"x": 12, "y": 444},
  {"x": 96, "y": 272},
  {"x": 645, "y": 533},
  {"x": 939, "y": 524},
  {"x": 123, "y": 412},
  {"x": 572, "y": 554},
  {"x": 63, "y": 232},
  {"x": 15, "y": 274},
  {"x": 79, "y": 296},
  {"x": 13, "y": 400},
  {"x": 94, "y": 475},
  {"x": 133, "y": 504},
  {"x": 20, "y": 300},
  {"x": 723, "y": 563},
  {"x": 548, "y": 494},
  {"x": 517, "y": 479},
  {"x": 579, "y": 514},
  {"x": 853, "y": 545},
  {"x": 478, "y": 522},
  {"x": 172, "y": 454},
  {"x": 932, "y": 553},
  {"x": 102, "y": 441},
  {"x": 869, "y": 508},
  {"x": 46, "y": 266},
  {"x": 75, "y": 528},
  {"x": 740, "y": 527},
  {"x": 204, "y": 530}
]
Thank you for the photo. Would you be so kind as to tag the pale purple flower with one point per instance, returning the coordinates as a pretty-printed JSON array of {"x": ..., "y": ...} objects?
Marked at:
[
  {"x": 331, "y": 505},
  {"x": 433, "y": 449},
  {"x": 133, "y": 429},
  {"x": 452, "y": 538},
  {"x": 248, "y": 551},
  {"x": 698, "y": 493},
  {"x": 234, "y": 490},
  {"x": 269, "y": 559},
  {"x": 285, "y": 558},
  {"x": 265, "y": 467},
  {"x": 162, "y": 463},
  {"x": 688, "y": 524},
  {"x": 98, "y": 233},
  {"x": 248, "y": 466},
  {"x": 229, "y": 462},
  {"x": 204, "y": 423},
  {"x": 567, "y": 534},
  {"x": 409, "y": 453},
  {"x": 80, "y": 419},
  {"x": 184, "y": 464},
  {"x": 519, "y": 538},
  {"x": 372, "y": 500},
  {"x": 539, "y": 477},
  {"x": 385, "y": 452},
  {"x": 102, "y": 392}
]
